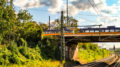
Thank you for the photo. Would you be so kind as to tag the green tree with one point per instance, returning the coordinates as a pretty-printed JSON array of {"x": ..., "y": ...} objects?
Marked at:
[
  {"x": 31, "y": 32},
  {"x": 24, "y": 16},
  {"x": 72, "y": 21},
  {"x": 44, "y": 26}
]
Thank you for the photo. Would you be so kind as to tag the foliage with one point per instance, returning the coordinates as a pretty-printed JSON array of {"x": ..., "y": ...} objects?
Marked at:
[
  {"x": 89, "y": 52},
  {"x": 24, "y": 16},
  {"x": 36, "y": 63},
  {"x": 48, "y": 47},
  {"x": 18, "y": 55},
  {"x": 72, "y": 22},
  {"x": 44, "y": 26}
]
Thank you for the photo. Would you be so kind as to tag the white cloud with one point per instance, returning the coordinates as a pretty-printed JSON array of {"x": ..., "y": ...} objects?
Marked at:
[
  {"x": 26, "y": 3},
  {"x": 54, "y": 5},
  {"x": 73, "y": 10}
]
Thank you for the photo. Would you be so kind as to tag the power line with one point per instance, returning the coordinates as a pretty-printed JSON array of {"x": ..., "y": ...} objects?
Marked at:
[
  {"x": 93, "y": 7},
  {"x": 96, "y": 7}
]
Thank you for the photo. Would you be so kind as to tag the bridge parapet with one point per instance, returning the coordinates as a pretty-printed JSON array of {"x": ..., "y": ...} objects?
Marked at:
[{"x": 85, "y": 30}]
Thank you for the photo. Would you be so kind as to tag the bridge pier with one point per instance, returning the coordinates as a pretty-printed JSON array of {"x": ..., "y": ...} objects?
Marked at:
[{"x": 71, "y": 51}]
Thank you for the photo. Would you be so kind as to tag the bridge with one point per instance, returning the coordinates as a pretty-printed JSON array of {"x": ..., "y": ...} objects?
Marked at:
[
  {"x": 109, "y": 34},
  {"x": 72, "y": 38}
]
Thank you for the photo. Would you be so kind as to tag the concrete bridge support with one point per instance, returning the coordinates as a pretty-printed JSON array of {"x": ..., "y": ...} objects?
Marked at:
[{"x": 71, "y": 52}]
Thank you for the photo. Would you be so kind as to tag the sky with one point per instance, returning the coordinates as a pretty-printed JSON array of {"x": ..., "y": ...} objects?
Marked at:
[
  {"x": 109, "y": 44},
  {"x": 105, "y": 12},
  {"x": 87, "y": 12}
]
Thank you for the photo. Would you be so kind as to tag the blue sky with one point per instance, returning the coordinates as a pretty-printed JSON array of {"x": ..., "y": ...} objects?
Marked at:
[
  {"x": 85, "y": 15},
  {"x": 111, "y": 2}
]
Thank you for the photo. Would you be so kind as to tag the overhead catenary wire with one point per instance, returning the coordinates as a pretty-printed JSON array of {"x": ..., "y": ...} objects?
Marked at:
[
  {"x": 93, "y": 7},
  {"x": 96, "y": 7}
]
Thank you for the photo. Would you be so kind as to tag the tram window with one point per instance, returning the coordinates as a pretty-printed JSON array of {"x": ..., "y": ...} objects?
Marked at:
[
  {"x": 106, "y": 30},
  {"x": 96, "y": 31},
  {"x": 86, "y": 30},
  {"x": 102, "y": 30},
  {"x": 91, "y": 30},
  {"x": 112, "y": 30}
]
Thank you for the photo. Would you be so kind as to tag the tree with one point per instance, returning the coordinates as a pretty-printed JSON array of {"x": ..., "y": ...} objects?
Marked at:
[
  {"x": 31, "y": 32},
  {"x": 72, "y": 23},
  {"x": 56, "y": 24},
  {"x": 44, "y": 26},
  {"x": 24, "y": 16}
]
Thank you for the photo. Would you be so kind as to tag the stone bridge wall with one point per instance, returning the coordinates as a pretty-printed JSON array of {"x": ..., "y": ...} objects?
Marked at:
[{"x": 71, "y": 52}]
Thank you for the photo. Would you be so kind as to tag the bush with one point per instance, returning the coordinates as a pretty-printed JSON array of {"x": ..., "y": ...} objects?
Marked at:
[
  {"x": 48, "y": 48},
  {"x": 14, "y": 59},
  {"x": 89, "y": 52},
  {"x": 23, "y": 50},
  {"x": 1, "y": 38},
  {"x": 4, "y": 56},
  {"x": 13, "y": 47},
  {"x": 30, "y": 53}
]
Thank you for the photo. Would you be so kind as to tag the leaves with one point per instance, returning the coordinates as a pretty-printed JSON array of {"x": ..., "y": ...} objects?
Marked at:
[{"x": 24, "y": 16}]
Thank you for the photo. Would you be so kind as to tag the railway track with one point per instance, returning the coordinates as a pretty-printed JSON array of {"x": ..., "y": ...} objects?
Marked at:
[
  {"x": 117, "y": 63},
  {"x": 111, "y": 61}
]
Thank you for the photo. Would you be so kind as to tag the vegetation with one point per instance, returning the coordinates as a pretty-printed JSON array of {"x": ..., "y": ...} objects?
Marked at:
[
  {"x": 21, "y": 40},
  {"x": 89, "y": 52},
  {"x": 13, "y": 56}
]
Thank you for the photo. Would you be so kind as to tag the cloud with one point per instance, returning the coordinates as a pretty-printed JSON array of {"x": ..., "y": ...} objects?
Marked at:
[
  {"x": 57, "y": 5},
  {"x": 86, "y": 5},
  {"x": 94, "y": 6},
  {"x": 73, "y": 10},
  {"x": 82, "y": 4},
  {"x": 54, "y": 5},
  {"x": 26, "y": 3}
]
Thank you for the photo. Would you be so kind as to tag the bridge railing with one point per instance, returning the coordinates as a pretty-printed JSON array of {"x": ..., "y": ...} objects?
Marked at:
[{"x": 87, "y": 30}]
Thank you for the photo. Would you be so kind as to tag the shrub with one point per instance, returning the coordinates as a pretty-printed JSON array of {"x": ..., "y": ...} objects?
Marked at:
[
  {"x": 90, "y": 52},
  {"x": 13, "y": 47},
  {"x": 48, "y": 48},
  {"x": 23, "y": 51},
  {"x": 14, "y": 59},
  {"x": 4, "y": 56},
  {"x": 1, "y": 38},
  {"x": 30, "y": 53}
]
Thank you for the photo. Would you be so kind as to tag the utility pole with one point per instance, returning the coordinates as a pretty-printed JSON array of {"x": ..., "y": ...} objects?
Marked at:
[
  {"x": 49, "y": 22},
  {"x": 67, "y": 13},
  {"x": 62, "y": 38},
  {"x": 99, "y": 32}
]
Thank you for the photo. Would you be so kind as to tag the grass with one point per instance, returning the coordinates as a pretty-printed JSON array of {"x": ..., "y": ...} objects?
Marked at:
[
  {"x": 45, "y": 63},
  {"x": 87, "y": 56}
]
